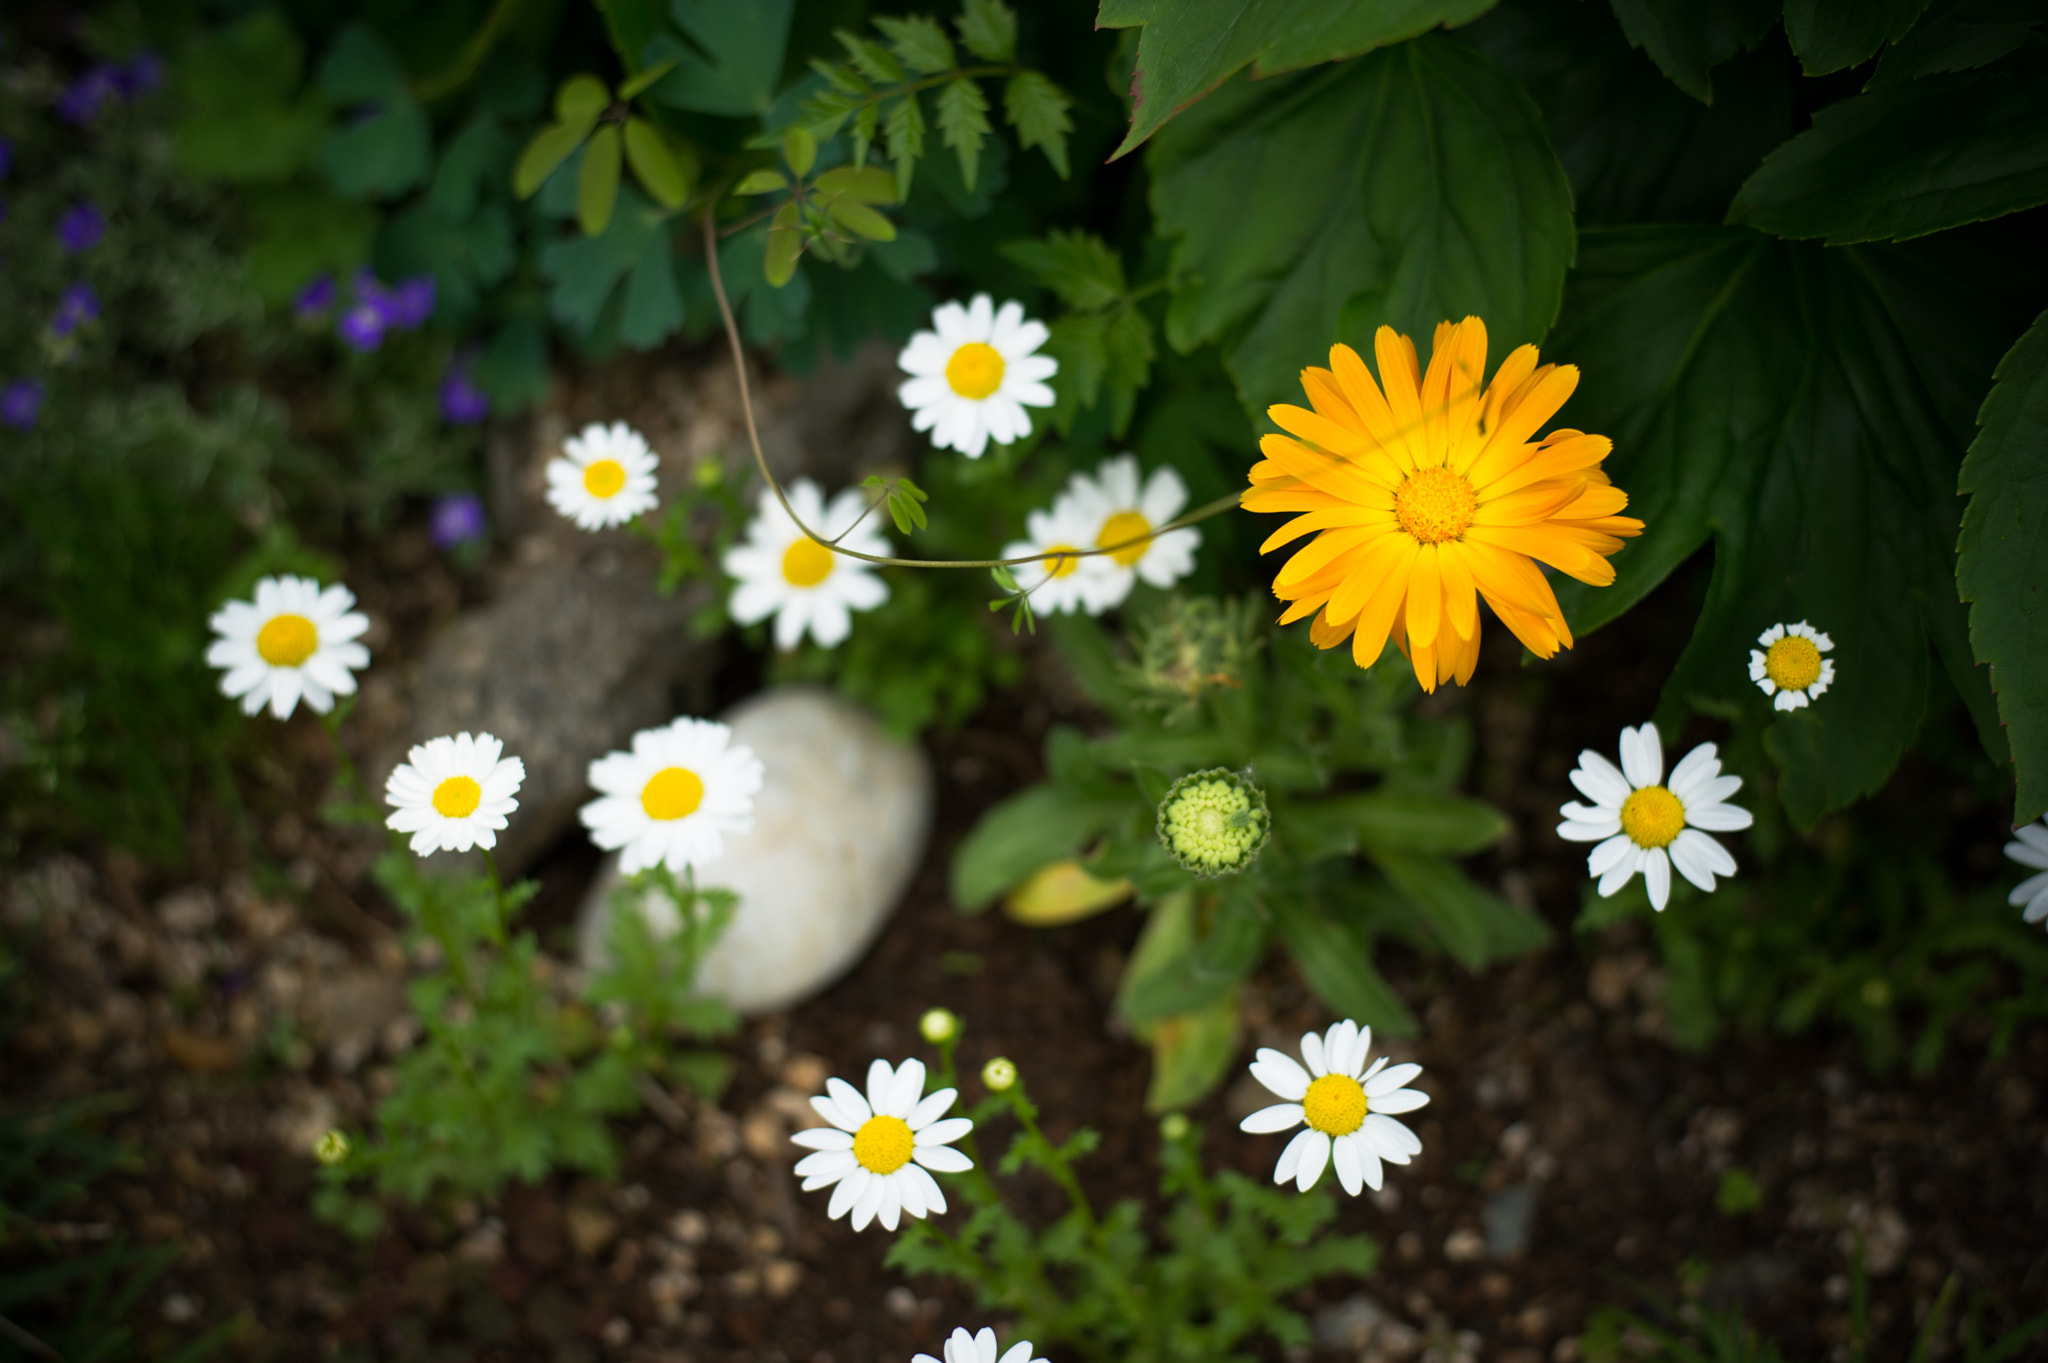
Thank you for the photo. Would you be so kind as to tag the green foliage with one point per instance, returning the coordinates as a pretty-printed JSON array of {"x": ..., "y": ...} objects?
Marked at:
[
  {"x": 1105, "y": 342},
  {"x": 728, "y": 58},
  {"x": 2002, "y": 556},
  {"x": 1687, "y": 40}
]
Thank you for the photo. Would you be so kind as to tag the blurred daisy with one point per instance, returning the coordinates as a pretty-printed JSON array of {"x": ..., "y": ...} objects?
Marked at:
[
  {"x": 1124, "y": 511},
  {"x": 1644, "y": 826},
  {"x": 453, "y": 794},
  {"x": 1789, "y": 665},
  {"x": 980, "y": 1348},
  {"x": 972, "y": 376},
  {"x": 1060, "y": 585},
  {"x": 1347, "y": 1107},
  {"x": 2031, "y": 849},
  {"x": 603, "y": 477},
  {"x": 879, "y": 1146},
  {"x": 781, "y": 571},
  {"x": 674, "y": 797},
  {"x": 295, "y": 640}
]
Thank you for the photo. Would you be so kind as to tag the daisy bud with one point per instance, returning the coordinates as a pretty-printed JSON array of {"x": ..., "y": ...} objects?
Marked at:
[
  {"x": 939, "y": 1026},
  {"x": 331, "y": 1148},
  {"x": 999, "y": 1074},
  {"x": 1214, "y": 822},
  {"x": 1174, "y": 1126}
]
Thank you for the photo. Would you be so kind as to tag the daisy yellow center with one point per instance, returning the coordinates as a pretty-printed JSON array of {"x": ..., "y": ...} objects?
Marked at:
[
  {"x": 976, "y": 370},
  {"x": 1652, "y": 817},
  {"x": 1066, "y": 559},
  {"x": 672, "y": 793},
  {"x": 1335, "y": 1104},
  {"x": 883, "y": 1144},
  {"x": 457, "y": 797},
  {"x": 603, "y": 477},
  {"x": 806, "y": 563},
  {"x": 287, "y": 640},
  {"x": 1435, "y": 504},
  {"x": 1126, "y": 525},
  {"x": 1793, "y": 663}
]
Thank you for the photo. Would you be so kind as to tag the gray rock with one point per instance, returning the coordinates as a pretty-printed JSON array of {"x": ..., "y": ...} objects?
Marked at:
[
  {"x": 1509, "y": 1215},
  {"x": 839, "y": 829}
]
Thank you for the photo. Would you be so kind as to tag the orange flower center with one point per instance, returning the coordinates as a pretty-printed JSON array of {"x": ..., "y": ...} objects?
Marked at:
[{"x": 1435, "y": 504}]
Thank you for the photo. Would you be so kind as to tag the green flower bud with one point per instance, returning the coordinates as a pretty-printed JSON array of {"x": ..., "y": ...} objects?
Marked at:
[
  {"x": 331, "y": 1148},
  {"x": 1214, "y": 822},
  {"x": 999, "y": 1073},
  {"x": 939, "y": 1025},
  {"x": 1174, "y": 1126},
  {"x": 709, "y": 473}
]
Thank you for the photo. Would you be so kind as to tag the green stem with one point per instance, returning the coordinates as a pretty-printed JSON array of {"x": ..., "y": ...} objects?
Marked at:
[
  {"x": 345, "y": 773},
  {"x": 471, "y": 57},
  {"x": 498, "y": 889},
  {"x": 1056, "y": 1164}
]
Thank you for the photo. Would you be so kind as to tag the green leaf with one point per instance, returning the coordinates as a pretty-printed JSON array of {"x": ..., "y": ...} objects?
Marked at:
[
  {"x": 637, "y": 86},
  {"x": 597, "y": 186},
  {"x": 785, "y": 244},
  {"x": 1037, "y": 109},
  {"x": 988, "y": 29},
  {"x": 2002, "y": 564},
  {"x": 1688, "y": 38},
  {"x": 244, "y": 119},
  {"x": 1040, "y": 824},
  {"x": 585, "y": 270},
  {"x": 1475, "y": 926},
  {"x": 299, "y": 231},
  {"x": 1396, "y": 820},
  {"x": 1080, "y": 342},
  {"x": 654, "y": 307},
  {"x": 903, "y": 131},
  {"x": 868, "y": 185},
  {"x": 359, "y": 69},
  {"x": 1191, "y": 1053},
  {"x": 382, "y": 156},
  {"x": 550, "y": 147},
  {"x": 732, "y": 60},
  {"x": 963, "y": 123},
  {"x": 762, "y": 182},
  {"x": 1461, "y": 208},
  {"x": 1807, "y": 409},
  {"x": 1335, "y": 960},
  {"x": 859, "y": 219},
  {"x": 799, "y": 151},
  {"x": 871, "y": 59},
  {"x": 581, "y": 98},
  {"x": 654, "y": 166},
  {"x": 919, "y": 42},
  {"x": 1128, "y": 351},
  {"x": 471, "y": 161},
  {"x": 1829, "y": 35},
  {"x": 1957, "y": 35},
  {"x": 1190, "y": 47},
  {"x": 1904, "y": 161},
  {"x": 1076, "y": 265}
]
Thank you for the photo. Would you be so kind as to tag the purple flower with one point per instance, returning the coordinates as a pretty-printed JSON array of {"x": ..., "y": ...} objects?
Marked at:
[
  {"x": 141, "y": 76},
  {"x": 462, "y": 402},
  {"x": 412, "y": 303},
  {"x": 6, "y": 157},
  {"x": 81, "y": 228},
  {"x": 78, "y": 305},
  {"x": 20, "y": 401},
  {"x": 456, "y": 519},
  {"x": 82, "y": 103},
  {"x": 316, "y": 298},
  {"x": 370, "y": 292},
  {"x": 361, "y": 327}
]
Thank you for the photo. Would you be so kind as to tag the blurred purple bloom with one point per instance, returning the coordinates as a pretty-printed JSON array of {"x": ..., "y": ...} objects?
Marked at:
[
  {"x": 82, "y": 103},
  {"x": 78, "y": 305},
  {"x": 370, "y": 292},
  {"x": 462, "y": 402},
  {"x": 20, "y": 401},
  {"x": 316, "y": 298},
  {"x": 141, "y": 76},
  {"x": 361, "y": 327},
  {"x": 412, "y": 303},
  {"x": 456, "y": 519},
  {"x": 6, "y": 157},
  {"x": 81, "y": 228}
]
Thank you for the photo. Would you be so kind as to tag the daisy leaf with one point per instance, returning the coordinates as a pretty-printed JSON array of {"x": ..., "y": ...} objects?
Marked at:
[{"x": 963, "y": 124}]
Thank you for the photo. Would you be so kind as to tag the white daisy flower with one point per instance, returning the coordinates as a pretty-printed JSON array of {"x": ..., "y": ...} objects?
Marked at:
[
  {"x": 1060, "y": 585},
  {"x": 1643, "y": 826},
  {"x": 1121, "y": 511},
  {"x": 1789, "y": 665},
  {"x": 2030, "y": 848},
  {"x": 294, "y": 641},
  {"x": 980, "y": 1348},
  {"x": 453, "y": 794},
  {"x": 674, "y": 797},
  {"x": 1348, "y": 1108},
  {"x": 879, "y": 1146},
  {"x": 603, "y": 477},
  {"x": 781, "y": 571},
  {"x": 972, "y": 376}
]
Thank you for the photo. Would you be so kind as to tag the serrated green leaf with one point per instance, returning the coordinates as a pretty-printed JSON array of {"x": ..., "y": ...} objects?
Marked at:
[
  {"x": 785, "y": 244},
  {"x": 731, "y": 62},
  {"x": 871, "y": 59},
  {"x": 1129, "y": 350},
  {"x": 1078, "y": 266},
  {"x": 1335, "y": 960},
  {"x": 1080, "y": 342},
  {"x": 799, "y": 151},
  {"x": 859, "y": 219},
  {"x": 654, "y": 166},
  {"x": 1902, "y": 162},
  {"x": 550, "y": 147},
  {"x": 1461, "y": 209},
  {"x": 865, "y": 122},
  {"x": 1190, "y": 47},
  {"x": 597, "y": 185},
  {"x": 963, "y": 124},
  {"x": 903, "y": 130},
  {"x": 581, "y": 98},
  {"x": 1807, "y": 408},
  {"x": 868, "y": 185},
  {"x": 1957, "y": 36},
  {"x": 1688, "y": 38},
  {"x": 1037, "y": 109},
  {"x": 1829, "y": 35},
  {"x": 988, "y": 29},
  {"x": 919, "y": 42},
  {"x": 763, "y": 181},
  {"x": 382, "y": 156},
  {"x": 2002, "y": 556}
]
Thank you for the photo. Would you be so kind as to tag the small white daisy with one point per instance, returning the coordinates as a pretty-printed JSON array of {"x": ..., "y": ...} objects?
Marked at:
[
  {"x": 980, "y": 1348},
  {"x": 2030, "y": 849},
  {"x": 781, "y": 571},
  {"x": 972, "y": 376},
  {"x": 453, "y": 794},
  {"x": 295, "y": 640},
  {"x": 1348, "y": 1108},
  {"x": 1643, "y": 826},
  {"x": 1121, "y": 511},
  {"x": 1060, "y": 585},
  {"x": 878, "y": 1147},
  {"x": 674, "y": 797},
  {"x": 1789, "y": 665},
  {"x": 603, "y": 477}
]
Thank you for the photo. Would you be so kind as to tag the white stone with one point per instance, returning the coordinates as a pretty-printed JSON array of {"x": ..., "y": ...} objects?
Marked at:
[{"x": 839, "y": 828}]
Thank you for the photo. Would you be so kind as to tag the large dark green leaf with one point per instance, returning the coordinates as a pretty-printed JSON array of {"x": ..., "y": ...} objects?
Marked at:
[
  {"x": 1910, "y": 159},
  {"x": 1958, "y": 35},
  {"x": 1189, "y": 47},
  {"x": 1410, "y": 186},
  {"x": 1831, "y": 34},
  {"x": 729, "y": 58},
  {"x": 2003, "y": 564},
  {"x": 1806, "y": 408},
  {"x": 1689, "y": 38}
]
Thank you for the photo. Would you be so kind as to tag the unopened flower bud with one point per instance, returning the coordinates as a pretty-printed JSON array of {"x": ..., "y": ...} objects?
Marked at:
[
  {"x": 939, "y": 1025},
  {"x": 1214, "y": 822},
  {"x": 331, "y": 1148},
  {"x": 709, "y": 473},
  {"x": 999, "y": 1073},
  {"x": 1174, "y": 1126}
]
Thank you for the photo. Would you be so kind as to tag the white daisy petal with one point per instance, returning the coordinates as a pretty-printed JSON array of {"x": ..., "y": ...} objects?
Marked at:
[
  {"x": 1350, "y": 1168},
  {"x": 1389, "y": 1079},
  {"x": 943, "y": 1133},
  {"x": 1315, "y": 1157},
  {"x": 1290, "y": 1158},
  {"x": 2022, "y": 893},
  {"x": 943, "y": 1159},
  {"x": 439, "y": 795},
  {"x": 972, "y": 375},
  {"x": 1657, "y": 877},
  {"x": 1280, "y": 1117},
  {"x": 1280, "y": 1074},
  {"x": 1400, "y": 1100},
  {"x": 1600, "y": 780}
]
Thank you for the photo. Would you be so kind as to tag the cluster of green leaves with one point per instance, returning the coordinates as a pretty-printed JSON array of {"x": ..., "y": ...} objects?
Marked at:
[
  {"x": 1229, "y": 1251},
  {"x": 1105, "y": 342},
  {"x": 1365, "y": 829}
]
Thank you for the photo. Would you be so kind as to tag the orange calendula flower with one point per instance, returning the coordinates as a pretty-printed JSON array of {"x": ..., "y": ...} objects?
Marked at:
[{"x": 1428, "y": 490}]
